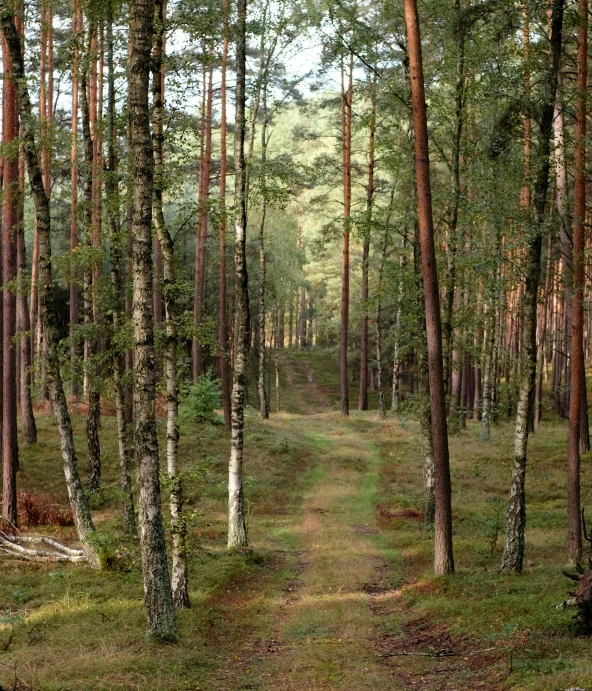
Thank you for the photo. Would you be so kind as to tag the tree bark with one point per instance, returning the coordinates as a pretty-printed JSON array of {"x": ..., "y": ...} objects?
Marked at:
[
  {"x": 453, "y": 240},
  {"x": 263, "y": 401},
  {"x": 202, "y": 234},
  {"x": 74, "y": 366},
  {"x": 9, "y": 245},
  {"x": 237, "y": 530},
  {"x": 513, "y": 555},
  {"x": 162, "y": 621},
  {"x": 23, "y": 326},
  {"x": 574, "y": 530},
  {"x": 443, "y": 557},
  {"x": 116, "y": 256},
  {"x": 346, "y": 125},
  {"x": 222, "y": 326},
  {"x": 179, "y": 576},
  {"x": 488, "y": 347},
  {"x": 363, "y": 398},
  {"x": 87, "y": 102}
]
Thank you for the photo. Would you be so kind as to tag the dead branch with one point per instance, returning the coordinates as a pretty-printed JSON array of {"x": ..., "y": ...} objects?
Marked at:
[{"x": 11, "y": 545}]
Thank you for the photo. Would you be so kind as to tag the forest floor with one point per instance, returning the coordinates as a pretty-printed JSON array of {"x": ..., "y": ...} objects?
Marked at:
[{"x": 336, "y": 592}]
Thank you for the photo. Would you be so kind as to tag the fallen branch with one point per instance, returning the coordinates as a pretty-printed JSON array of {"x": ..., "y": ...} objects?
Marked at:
[
  {"x": 439, "y": 653},
  {"x": 53, "y": 543},
  {"x": 11, "y": 545}
]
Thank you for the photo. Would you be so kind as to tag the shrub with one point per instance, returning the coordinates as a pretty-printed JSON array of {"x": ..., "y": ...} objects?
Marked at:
[{"x": 200, "y": 401}]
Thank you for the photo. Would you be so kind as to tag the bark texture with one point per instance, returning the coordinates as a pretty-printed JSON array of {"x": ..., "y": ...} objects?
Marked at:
[
  {"x": 443, "y": 556},
  {"x": 346, "y": 125},
  {"x": 179, "y": 576},
  {"x": 222, "y": 327},
  {"x": 574, "y": 528},
  {"x": 9, "y": 247},
  {"x": 160, "y": 609},
  {"x": 112, "y": 189},
  {"x": 237, "y": 530}
]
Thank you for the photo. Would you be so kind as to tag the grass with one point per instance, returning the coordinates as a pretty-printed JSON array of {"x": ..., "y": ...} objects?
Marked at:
[
  {"x": 478, "y": 602},
  {"x": 96, "y": 621},
  {"x": 340, "y": 572}
]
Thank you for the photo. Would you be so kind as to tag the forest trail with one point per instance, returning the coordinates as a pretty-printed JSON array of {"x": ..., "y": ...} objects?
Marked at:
[
  {"x": 340, "y": 616},
  {"x": 324, "y": 627}
]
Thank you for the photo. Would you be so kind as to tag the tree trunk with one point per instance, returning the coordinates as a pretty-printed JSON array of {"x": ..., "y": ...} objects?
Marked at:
[
  {"x": 263, "y": 401},
  {"x": 112, "y": 189},
  {"x": 87, "y": 99},
  {"x": 488, "y": 347},
  {"x": 516, "y": 514},
  {"x": 76, "y": 29},
  {"x": 78, "y": 499},
  {"x": 346, "y": 125},
  {"x": 237, "y": 530},
  {"x": 162, "y": 622},
  {"x": 9, "y": 246},
  {"x": 23, "y": 326},
  {"x": 542, "y": 334},
  {"x": 222, "y": 327},
  {"x": 574, "y": 530},
  {"x": 179, "y": 578},
  {"x": 202, "y": 235},
  {"x": 453, "y": 240},
  {"x": 443, "y": 557},
  {"x": 363, "y": 397},
  {"x": 397, "y": 361}
]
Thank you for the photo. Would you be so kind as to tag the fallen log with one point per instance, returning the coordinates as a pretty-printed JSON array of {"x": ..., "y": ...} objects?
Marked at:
[{"x": 11, "y": 544}]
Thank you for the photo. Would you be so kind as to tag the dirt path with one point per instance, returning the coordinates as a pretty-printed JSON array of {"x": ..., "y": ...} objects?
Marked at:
[
  {"x": 325, "y": 627},
  {"x": 341, "y": 624}
]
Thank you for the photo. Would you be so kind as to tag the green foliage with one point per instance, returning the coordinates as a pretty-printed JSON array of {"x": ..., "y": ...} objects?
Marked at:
[{"x": 200, "y": 401}]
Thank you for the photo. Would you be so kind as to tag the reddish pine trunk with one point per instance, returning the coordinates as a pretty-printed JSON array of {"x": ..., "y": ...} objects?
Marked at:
[
  {"x": 574, "y": 535},
  {"x": 443, "y": 558},
  {"x": 10, "y": 232}
]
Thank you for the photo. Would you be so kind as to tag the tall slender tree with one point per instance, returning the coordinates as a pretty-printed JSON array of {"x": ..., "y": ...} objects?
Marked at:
[
  {"x": 574, "y": 539},
  {"x": 116, "y": 257},
  {"x": 222, "y": 326},
  {"x": 443, "y": 557},
  {"x": 346, "y": 137},
  {"x": 237, "y": 529},
  {"x": 363, "y": 397},
  {"x": 162, "y": 621},
  {"x": 179, "y": 578},
  {"x": 9, "y": 245},
  {"x": 513, "y": 555}
]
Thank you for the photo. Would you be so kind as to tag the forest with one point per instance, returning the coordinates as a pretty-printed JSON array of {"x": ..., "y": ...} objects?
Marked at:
[{"x": 295, "y": 345}]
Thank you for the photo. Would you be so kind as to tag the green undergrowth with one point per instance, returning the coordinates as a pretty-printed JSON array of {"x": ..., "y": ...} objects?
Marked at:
[
  {"x": 68, "y": 627},
  {"x": 516, "y": 616}
]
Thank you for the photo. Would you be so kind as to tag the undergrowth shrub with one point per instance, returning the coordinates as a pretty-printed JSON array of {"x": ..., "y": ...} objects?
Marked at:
[{"x": 200, "y": 401}]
